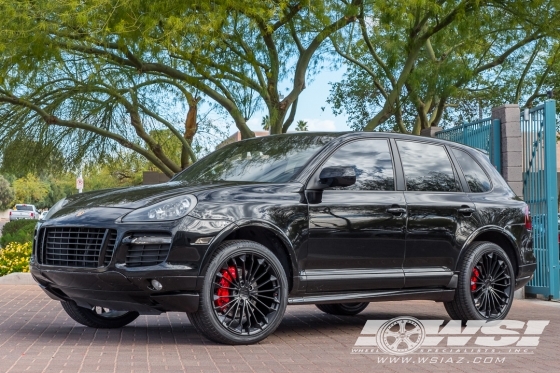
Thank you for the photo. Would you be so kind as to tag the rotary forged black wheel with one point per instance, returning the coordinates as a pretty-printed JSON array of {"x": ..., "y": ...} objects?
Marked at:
[
  {"x": 99, "y": 317},
  {"x": 345, "y": 309},
  {"x": 486, "y": 284},
  {"x": 244, "y": 294}
]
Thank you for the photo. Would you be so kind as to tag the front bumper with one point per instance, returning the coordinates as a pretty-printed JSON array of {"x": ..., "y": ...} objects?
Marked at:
[
  {"x": 116, "y": 291},
  {"x": 121, "y": 282}
]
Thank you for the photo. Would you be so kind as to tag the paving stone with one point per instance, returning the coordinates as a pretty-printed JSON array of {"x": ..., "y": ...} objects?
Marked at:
[{"x": 37, "y": 336}]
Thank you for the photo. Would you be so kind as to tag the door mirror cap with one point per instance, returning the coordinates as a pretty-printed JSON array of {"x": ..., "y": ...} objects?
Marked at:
[{"x": 337, "y": 176}]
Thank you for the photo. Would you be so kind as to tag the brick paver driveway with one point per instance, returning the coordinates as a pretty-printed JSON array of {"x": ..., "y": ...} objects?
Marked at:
[{"x": 37, "y": 336}]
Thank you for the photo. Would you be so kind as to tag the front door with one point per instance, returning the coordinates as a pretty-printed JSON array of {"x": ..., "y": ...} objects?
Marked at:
[{"x": 357, "y": 233}]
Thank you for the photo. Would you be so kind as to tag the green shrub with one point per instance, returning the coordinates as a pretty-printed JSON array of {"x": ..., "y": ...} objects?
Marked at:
[
  {"x": 15, "y": 258},
  {"x": 20, "y": 231}
]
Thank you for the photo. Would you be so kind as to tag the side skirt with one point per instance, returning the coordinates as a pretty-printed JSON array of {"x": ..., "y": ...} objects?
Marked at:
[{"x": 438, "y": 295}]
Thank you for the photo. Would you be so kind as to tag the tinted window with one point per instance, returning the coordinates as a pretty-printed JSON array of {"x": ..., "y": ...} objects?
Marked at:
[
  {"x": 476, "y": 177},
  {"x": 24, "y": 208},
  {"x": 427, "y": 167},
  {"x": 372, "y": 163},
  {"x": 273, "y": 159}
]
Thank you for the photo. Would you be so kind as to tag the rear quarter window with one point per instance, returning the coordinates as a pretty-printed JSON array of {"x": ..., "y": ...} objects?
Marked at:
[{"x": 476, "y": 178}]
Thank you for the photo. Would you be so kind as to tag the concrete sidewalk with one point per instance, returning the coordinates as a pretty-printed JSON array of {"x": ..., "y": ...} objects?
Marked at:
[{"x": 36, "y": 335}]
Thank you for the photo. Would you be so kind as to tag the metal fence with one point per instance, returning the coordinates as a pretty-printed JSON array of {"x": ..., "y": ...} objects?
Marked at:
[
  {"x": 484, "y": 134},
  {"x": 540, "y": 191}
]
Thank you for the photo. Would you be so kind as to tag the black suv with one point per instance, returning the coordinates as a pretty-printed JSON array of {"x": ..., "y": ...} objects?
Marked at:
[{"x": 332, "y": 219}]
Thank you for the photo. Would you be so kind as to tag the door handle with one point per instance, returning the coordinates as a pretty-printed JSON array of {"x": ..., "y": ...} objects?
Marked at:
[
  {"x": 396, "y": 210},
  {"x": 466, "y": 210}
]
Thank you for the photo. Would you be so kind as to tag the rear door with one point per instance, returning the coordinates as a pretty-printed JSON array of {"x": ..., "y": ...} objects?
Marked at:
[
  {"x": 438, "y": 210},
  {"x": 357, "y": 233}
]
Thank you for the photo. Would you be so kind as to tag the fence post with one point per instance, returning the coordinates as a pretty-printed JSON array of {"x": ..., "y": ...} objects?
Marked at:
[
  {"x": 496, "y": 144},
  {"x": 552, "y": 196},
  {"x": 511, "y": 151}
]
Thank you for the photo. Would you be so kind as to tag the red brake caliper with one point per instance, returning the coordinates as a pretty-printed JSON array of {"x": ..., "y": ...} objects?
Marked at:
[
  {"x": 474, "y": 277},
  {"x": 225, "y": 282}
]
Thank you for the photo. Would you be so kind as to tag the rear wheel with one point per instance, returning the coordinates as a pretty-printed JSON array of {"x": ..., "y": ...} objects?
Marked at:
[
  {"x": 486, "y": 284},
  {"x": 344, "y": 309},
  {"x": 99, "y": 317},
  {"x": 244, "y": 294}
]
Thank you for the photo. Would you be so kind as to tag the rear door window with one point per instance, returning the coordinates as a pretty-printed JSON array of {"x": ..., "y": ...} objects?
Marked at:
[
  {"x": 476, "y": 178},
  {"x": 427, "y": 167}
]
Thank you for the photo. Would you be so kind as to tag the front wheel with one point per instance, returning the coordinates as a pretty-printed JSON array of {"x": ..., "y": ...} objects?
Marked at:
[
  {"x": 99, "y": 317},
  {"x": 486, "y": 284},
  {"x": 343, "y": 309},
  {"x": 244, "y": 294}
]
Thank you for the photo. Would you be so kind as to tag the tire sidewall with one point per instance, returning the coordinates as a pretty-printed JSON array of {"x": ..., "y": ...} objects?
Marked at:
[
  {"x": 480, "y": 251},
  {"x": 207, "y": 302}
]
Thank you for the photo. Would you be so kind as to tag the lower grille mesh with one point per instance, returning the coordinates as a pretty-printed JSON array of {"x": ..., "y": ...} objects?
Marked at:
[{"x": 147, "y": 255}]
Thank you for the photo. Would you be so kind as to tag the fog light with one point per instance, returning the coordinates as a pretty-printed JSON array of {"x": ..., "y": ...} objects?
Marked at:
[{"x": 157, "y": 285}]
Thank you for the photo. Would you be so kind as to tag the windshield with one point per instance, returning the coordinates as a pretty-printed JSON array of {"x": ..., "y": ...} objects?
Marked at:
[
  {"x": 24, "y": 208},
  {"x": 268, "y": 159}
]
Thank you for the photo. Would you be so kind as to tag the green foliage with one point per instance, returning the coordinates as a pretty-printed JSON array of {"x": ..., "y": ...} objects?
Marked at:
[
  {"x": 416, "y": 64},
  {"x": 92, "y": 77},
  {"x": 15, "y": 258},
  {"x": 301, "y": 125},
  {"x": 20, "y": 231},
  {"x": 30, "y": 189},
  {"x": 7, "y": 194}
]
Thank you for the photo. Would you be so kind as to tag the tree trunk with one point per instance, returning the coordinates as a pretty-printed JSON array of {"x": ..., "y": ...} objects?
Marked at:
[{"x": 190, "y": 130}]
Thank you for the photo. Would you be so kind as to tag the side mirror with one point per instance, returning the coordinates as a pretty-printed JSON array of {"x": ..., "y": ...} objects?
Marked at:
[{"x": 337, "y": 176}]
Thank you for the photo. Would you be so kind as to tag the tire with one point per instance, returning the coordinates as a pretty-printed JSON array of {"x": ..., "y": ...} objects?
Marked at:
[
  {"x": 486, "y": 284},
  {"x": 243, "y": 296},
  {"x": 98, "y": 317},
  {"x": 343, "y": 309}
]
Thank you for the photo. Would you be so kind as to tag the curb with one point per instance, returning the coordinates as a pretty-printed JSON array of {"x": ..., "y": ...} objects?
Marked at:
[{"x": 17, "y": 279}]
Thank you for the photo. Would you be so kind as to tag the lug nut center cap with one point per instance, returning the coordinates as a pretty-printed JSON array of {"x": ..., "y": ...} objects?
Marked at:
[{"x": 244, "y": 293}]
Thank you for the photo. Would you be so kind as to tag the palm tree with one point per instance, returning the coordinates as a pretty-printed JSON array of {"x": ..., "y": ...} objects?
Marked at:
[
  {"x": 265, "y": 123},
  {"x": 301, "y": 125}
]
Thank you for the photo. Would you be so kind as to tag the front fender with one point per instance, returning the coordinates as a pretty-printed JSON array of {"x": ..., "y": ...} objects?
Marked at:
[{"x": 232, "y": 228}]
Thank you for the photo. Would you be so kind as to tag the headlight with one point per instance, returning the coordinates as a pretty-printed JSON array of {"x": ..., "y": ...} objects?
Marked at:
[
  {"x": 55, "y": 208},
  {"x": 171, "y": 209}
]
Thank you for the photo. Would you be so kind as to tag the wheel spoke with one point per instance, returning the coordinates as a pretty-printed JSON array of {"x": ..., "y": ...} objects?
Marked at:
[{"x": 259, "y": 264}]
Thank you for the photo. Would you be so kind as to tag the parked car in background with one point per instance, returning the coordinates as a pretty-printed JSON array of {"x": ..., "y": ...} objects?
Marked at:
[
  {"x": 23, "y": 211},
  {"x": 43, "y": 214},
  {"x": 331, "y": 219}
]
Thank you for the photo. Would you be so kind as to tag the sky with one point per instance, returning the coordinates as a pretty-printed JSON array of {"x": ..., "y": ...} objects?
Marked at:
[{"x": 309, "y": 106}]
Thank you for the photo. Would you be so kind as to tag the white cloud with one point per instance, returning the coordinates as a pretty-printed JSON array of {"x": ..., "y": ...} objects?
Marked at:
[{"x": 315, "y": 124}]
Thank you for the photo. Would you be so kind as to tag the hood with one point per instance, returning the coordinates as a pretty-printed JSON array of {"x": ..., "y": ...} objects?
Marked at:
[{"x": 139, "y": 196}]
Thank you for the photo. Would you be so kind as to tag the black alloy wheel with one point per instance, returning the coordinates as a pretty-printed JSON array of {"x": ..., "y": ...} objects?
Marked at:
[
  {"x": 99, "y": 317},
  {"x": 244, "y": 295},
  {"x": 246, "y": 291},
  {"x": 486, "y": 284},
  {"x": 491, "y": 285}
]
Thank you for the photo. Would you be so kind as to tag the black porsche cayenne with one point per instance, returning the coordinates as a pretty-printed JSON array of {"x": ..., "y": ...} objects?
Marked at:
[{"x": 333, "y": 219}]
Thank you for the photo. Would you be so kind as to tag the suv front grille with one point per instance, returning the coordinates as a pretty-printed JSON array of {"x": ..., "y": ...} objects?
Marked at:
[{"x": 76, "y": 247}]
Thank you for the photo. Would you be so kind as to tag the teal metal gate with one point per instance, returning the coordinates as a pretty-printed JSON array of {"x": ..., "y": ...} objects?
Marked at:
[
  {"x": 483, "y": 134},
  {"x": 540, "y": 191}
]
